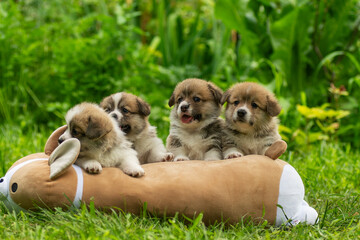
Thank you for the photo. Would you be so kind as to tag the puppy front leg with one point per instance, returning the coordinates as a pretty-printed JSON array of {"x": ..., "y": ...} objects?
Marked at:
[
  {"x": 213, "y": 154},
  {"x": 161, "y": 156},
  {"x": 179, "y": 154},
  {"x": 175, "y": 146},
  {"x": 167, "y": 157},
  {"x": 89, "y": 165},
  {"x": 130, "y": 164},
  {"x": 158, "y": 153},
  {"x": 229, "y": 148},
  {"x": 232, "y": 152}
]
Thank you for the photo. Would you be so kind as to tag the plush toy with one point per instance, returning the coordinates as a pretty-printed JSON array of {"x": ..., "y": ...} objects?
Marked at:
[{"x": 251, "y": 187}]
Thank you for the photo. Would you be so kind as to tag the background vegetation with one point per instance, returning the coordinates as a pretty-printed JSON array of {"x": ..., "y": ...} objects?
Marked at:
[{"x": 55, "y": 54}]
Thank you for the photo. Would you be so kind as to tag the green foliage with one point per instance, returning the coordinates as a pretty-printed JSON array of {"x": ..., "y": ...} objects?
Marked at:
[
  {"x": 321, "y": 123},
  {"x": 15, "y": 144},
  {"x": 55, "y": 54},
  {"x": 303, "y": 49},
  {"x": 321, "y": 113},
  {"x": 317, "y": 123}
]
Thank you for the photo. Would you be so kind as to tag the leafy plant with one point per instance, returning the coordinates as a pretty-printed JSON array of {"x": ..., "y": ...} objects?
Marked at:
[
  {"x": 55, "y": 54},
  {"x": 326, "y": 120}
]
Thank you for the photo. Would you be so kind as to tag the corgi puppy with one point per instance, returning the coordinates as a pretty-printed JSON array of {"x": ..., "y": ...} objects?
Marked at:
[
  {"x": 102, "y": 143},
  {"x": 195, "y": 126},
  {"x": 131, "y": 114},
  {"x": 251, "y": 122}
]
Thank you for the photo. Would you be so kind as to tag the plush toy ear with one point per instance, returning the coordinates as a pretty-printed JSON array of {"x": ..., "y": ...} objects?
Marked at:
[
  {"x": 52, "y": 141},
  {"x": 272, "y": 106},
  {"x": 172, "y": 100},
  {"x": 276, "y": 149},
  {"x": 63, "y": 157},
  {"x": 225, "y": 97},
  {"x": 144, "y": 107},
  {"x": 216, "y": 92},
  {"x": 96, "y": 128}
]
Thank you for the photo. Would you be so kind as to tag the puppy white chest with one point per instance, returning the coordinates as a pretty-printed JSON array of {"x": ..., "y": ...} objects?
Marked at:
[
  {"x": 254, "y": 145},
  {"x": 194, "y": 144},
  {"x": 249, "y": 145}
]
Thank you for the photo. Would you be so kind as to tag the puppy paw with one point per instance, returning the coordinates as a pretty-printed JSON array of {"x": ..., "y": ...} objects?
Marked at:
[
  {"x": 233, "y": 155},
  {"x": 167, "y": 157},
  {"x": 92, "y": 166},
  {"x": 134, "y": 171},
  {"x": 181, "y": 158}
]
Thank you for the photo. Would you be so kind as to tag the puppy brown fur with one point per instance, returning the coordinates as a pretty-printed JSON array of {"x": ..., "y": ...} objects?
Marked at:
[
  {"x": 195, "y": 129},
  {"x": 102, "y": 143},
  {"x": 132, "y": 116},
  {"x": 251, "y": 122}
]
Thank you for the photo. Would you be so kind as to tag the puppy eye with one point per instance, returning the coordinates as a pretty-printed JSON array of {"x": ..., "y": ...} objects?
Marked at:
[
  {"x": 180, "y": 99},
  {"x": 75, "y": 133},
  {"x": 125, "y": 110},
  {"x": 254, "y": 105},
  {"x": 196, "y": 99},
  {"x": 107, "y": 110},
  {"x": 236, "y": 103}
]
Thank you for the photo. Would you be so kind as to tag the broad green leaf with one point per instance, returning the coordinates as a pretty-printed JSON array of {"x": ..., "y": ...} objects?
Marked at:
[
  {"x": 291, "y": 42},
  {"x": 316, "y": 136},
  {"x": 233, "y": 14},
  {"x": 321, "y": 113},
  {"x": 328, "y": 58}
]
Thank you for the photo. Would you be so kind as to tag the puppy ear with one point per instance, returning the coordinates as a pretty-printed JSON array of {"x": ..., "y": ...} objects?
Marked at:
[
  {"x": 216, "y": 92},
  {"x": 225, "y": 97},
  {"x": 96, "y": 128},
  {"x": 273, "y": 108},
  {"x": 144, "y": 107},
  {"x": 102, "y": 103},
  {"x": 172, "y": 100}
]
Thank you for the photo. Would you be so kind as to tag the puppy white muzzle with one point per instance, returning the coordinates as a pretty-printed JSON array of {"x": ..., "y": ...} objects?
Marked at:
[
  {"x": 116, "y": 115},
  {"x": 242, "y": 114},
  {"x": 184, "y": 112},
  {"x": 183, "y": 107}
]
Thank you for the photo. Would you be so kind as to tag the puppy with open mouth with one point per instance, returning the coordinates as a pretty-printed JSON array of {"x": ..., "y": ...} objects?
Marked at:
[
  {"x": 195, "y": 126},
  {"x": 132, "y": 116},
  {"x": 251, "y": 122},
  {"x": 102, "y": 143}
]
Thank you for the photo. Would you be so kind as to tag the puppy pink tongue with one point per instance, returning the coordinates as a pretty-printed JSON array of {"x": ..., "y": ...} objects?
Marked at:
[{"x": 186, "y": 119}]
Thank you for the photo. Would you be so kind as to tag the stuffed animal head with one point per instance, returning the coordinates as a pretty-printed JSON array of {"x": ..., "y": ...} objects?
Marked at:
[{"x": 24, "y": 176}]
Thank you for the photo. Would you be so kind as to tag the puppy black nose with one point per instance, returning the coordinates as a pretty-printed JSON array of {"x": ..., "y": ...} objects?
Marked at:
[
  {"x": 184, "y": 108},
  {"x": 114, "y": 115},
  {"x": 241, "y": 112},
  {"x": 60, "y": 140}
]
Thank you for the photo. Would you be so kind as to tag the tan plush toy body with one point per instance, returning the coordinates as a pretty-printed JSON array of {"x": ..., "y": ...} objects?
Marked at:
[{"x": 251, "y": 186}]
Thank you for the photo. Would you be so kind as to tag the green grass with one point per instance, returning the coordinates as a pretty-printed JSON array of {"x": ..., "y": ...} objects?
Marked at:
[{"x": 330, "y": 173}]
